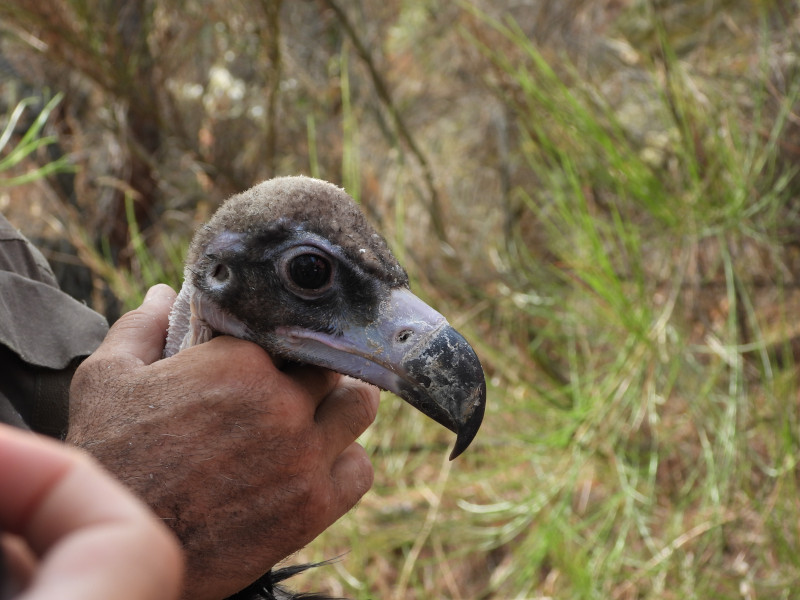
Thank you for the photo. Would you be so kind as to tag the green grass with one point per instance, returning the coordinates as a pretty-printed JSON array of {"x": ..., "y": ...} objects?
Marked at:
[
  {"x": 636, "y": 322},
  {"x": 656, "y": 458},
  {"x": 640, "y": 439},
  {"x": 31, "y": 142}
]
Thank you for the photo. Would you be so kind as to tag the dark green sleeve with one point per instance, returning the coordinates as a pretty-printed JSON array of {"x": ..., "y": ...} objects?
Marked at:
[{"x": 44, "y": 334}]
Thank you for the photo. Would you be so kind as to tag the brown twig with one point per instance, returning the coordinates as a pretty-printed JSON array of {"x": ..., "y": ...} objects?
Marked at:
[
  {"x": 272, "y": 11},
  {"x": 434, "y": 204}
]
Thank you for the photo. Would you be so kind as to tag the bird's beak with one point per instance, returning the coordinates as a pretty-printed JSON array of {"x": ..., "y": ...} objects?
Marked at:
[{"x": 411, "y": 351}]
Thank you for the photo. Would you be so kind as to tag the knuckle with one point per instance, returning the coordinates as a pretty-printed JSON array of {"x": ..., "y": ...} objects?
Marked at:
[
  {"x": 364, "y": 404},
  {"x": 134, "y": 320},
  {"x": 352, "y": 479},
  {"x": 314, "y": 502},
  {"x": 364, "y": 477},
  {"x": 87, "y": 375}
]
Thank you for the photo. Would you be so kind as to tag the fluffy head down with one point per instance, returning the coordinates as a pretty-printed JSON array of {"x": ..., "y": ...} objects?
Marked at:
[{"x": 315, "y": 206}]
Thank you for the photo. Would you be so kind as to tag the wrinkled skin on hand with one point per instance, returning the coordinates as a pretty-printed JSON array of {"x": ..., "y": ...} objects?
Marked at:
[{"x": 246, "y": 463}]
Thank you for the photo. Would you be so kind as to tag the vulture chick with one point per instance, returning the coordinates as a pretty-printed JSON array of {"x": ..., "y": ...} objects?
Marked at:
[{"x": 293, "y": 265}]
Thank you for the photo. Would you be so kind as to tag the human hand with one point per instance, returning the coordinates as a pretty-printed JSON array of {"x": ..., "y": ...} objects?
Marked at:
[
  {"x": 73, "y": 533},
  {"x": 245, "y": 462}
]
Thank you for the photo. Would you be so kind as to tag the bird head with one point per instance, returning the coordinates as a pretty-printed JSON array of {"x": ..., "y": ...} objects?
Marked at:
[{"x": 293, "y": 265}]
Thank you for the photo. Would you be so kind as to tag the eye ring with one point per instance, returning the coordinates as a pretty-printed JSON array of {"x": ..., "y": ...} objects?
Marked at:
[{"x": 307, "y": 272}]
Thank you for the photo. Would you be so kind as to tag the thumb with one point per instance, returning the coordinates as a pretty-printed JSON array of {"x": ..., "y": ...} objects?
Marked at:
[{"x": 142, "y": 332}]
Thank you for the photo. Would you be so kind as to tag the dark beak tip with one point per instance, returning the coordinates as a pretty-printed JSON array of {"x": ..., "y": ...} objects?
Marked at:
[
  {"x": 470, "y": 424},
  {"x": 458, "y": 449}
]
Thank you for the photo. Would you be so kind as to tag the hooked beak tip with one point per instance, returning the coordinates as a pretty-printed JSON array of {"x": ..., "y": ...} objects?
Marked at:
[{"x": 470, "y": 423}]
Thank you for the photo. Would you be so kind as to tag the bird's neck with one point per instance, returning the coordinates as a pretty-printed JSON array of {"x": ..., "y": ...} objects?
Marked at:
[{"x": 195, "y": 319}]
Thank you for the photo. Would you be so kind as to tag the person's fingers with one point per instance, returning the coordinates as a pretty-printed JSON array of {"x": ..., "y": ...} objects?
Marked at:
[
  {"x": 30, "y": 467},
  {"x": 232, "y": 363},
  {"x": 346, "y": 412},
  {"x": 18, "y": 560},
  {"x": 337, "y": 489},
  {"x": 38, "y": 469},
  {"x": 351, "y": 476},
  {"x": 128, "y": 557},
  {"x": 141, "y": 333},
  {"x": 316, "y": 382},
  {"x": 93, "y": 538},
  {"x": 226, "y": 358}
]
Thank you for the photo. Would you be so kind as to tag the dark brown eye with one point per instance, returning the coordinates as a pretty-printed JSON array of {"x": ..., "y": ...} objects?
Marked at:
[{"x": 310, "y": 271}]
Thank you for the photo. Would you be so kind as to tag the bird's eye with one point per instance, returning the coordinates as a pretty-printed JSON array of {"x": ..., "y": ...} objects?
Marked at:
[
  {"x": 307, "y": 271},
  {"x": 310, "y": 272}
]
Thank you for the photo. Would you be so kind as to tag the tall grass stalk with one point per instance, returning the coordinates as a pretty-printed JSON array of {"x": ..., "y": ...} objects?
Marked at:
[
  {"x": 351, "y": 171},
  {"x": 650, "y": 493},
  {"x": 313, "y": 159},
  {"x": 30, "y": 142}
]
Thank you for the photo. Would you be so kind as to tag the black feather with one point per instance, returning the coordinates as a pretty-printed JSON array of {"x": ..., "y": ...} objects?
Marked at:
[{"x": 266, "y": 587}]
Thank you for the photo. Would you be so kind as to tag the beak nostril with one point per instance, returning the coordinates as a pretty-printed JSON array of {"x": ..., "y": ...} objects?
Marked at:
[{"x": 404, "y": 336}]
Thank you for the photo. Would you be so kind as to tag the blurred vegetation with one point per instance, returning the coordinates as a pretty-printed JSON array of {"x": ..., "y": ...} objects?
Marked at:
[{"x": 603, "y": 196}]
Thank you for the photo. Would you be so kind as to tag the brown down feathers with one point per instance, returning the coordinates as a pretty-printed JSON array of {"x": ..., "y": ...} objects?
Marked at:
[{"x": 316, "y": 206}]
